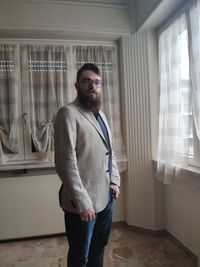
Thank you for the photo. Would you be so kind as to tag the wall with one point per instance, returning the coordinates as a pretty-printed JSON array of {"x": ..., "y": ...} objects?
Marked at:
[
  {"x": 59, "y": 19},
  {"x": 182, "y": 216},
  {"x": 29, "y": 206},
  {"x": 143, "y": 192},
  {"x": 153, "y": 13},
  {"x": 143, "y": 10}
]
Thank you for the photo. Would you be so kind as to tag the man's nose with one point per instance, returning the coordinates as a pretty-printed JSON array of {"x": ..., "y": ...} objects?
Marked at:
[{"x": 92, "y": 86}]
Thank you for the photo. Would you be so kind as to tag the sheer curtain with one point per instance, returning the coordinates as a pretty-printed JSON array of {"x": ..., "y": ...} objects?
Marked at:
[
  {"x": 105, "y": 58},
  {"x": 194, "y": 49},
  {"x": 175, "y": 120},
  {"x": 9, "y": 81},
  {"x": 45, "y": 78}
]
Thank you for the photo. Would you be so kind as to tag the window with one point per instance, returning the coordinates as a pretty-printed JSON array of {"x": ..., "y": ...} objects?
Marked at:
[
  {"x": 179, "y": 61},
  {"x": 37, "y": 79}
]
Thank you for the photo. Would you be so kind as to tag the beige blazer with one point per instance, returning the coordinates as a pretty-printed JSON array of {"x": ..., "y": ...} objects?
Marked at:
[{"x": 81, "y": 159}]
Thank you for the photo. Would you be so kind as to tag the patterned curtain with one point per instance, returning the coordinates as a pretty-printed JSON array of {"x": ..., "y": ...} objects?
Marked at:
[
  {"x": 48, "y": 74},
  {"x": 8, "y": 101},
  {"x": 45, "y": 76},
  {"x": 194, "y": 49}
]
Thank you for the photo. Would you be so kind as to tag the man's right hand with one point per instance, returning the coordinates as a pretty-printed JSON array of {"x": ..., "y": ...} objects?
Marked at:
[{"x": 88, "y": 215}]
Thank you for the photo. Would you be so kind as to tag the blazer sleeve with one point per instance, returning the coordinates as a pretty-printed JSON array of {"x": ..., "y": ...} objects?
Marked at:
[{"x": 66, "y": 160}]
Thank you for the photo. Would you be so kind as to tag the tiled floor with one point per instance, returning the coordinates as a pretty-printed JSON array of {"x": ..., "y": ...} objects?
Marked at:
[{"x": 126, "y": 249}]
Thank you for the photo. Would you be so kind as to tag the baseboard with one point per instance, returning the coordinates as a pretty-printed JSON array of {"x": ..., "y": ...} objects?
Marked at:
[
  {"x": 18, "y": 239},
  {"x": 118, "y": 224},
  {"x": 28, "y": 238},
  {"x": 183, "y": 247},
  {"x": 160, "y": 232}
]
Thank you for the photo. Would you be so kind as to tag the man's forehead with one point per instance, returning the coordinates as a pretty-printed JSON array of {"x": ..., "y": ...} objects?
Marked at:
[{"x": 89, "y": 74}]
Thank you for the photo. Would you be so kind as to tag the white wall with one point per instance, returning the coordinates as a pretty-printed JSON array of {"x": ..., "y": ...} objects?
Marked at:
[
  {"x": 153, "y": 13},
  {"x": 59, "y": 19},
  {"x": 144, "y": 9},
  {"x": 143, "y": 193},
  {"x": 29, "y": 206},
  {"x": 182, "y": 216}
]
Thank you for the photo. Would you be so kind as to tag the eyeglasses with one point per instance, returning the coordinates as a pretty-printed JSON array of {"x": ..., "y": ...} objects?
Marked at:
[{"x": 88, "y": 82}]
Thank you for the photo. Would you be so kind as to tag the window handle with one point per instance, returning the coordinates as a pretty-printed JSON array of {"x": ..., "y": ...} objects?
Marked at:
[{"x": 25, "y": 116}]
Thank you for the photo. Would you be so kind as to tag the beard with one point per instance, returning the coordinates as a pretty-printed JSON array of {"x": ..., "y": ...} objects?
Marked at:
[{"x": 89, "y": 103}]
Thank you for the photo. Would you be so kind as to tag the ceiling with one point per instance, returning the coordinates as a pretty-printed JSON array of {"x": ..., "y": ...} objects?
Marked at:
[{"x": 162, "y": 10}]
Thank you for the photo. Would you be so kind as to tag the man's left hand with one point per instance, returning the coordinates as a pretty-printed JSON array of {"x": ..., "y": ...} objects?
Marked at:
[{"x": 115, "y": 190}]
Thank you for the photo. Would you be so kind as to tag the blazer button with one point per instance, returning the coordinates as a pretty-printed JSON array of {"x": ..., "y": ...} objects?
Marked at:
[
  {"x": 107, "y": 171},
  {"x": 107, "y": 153}
]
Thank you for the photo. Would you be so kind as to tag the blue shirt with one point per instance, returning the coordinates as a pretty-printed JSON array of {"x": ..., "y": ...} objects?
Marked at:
[{"x": 106, "y": 136}]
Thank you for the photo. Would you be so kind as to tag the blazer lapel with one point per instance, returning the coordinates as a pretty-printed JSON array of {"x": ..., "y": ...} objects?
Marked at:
[
  {"x": 91, "y": 118},
  {"x": 106, "y": 123}
]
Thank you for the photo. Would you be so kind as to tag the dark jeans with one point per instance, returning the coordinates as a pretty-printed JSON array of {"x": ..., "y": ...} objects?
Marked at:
[{"x": 88, "y": 239}]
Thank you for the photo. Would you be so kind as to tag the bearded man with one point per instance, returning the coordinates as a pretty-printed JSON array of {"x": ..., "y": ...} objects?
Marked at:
[{"x": 86, "y": 165}]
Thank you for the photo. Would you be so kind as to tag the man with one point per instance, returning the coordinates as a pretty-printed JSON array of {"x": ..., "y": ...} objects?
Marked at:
[{"x": 87, "y": 169}]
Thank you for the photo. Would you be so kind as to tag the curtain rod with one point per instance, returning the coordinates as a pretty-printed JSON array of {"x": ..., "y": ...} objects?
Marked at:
[{"x": 55, "y": 42}]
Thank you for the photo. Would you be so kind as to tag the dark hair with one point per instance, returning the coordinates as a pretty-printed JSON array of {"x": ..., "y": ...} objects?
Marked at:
[{"x": 87, "y": 66}]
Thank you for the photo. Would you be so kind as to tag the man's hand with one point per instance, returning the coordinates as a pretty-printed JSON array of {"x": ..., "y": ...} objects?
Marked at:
[
  {"x": 87, "y": 215},
  {"x": 115, "y": 190}
]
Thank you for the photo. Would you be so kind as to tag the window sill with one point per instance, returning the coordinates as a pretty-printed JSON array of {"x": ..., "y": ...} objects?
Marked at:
[
  {"x": 27, "y": 168},
  {"x": 192, "y": 170},
  {"x": 187, "y": 177}
]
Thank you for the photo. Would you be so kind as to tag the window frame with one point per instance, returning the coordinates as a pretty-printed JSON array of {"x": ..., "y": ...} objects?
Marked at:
[{"x": 193, "y": 160}]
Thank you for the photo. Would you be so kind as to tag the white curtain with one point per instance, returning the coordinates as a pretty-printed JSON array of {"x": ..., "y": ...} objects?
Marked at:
[
  {"x": 175, "y": 120},
  {"x": 194, "y": 49},
  {"x": 45, "y": 77},
  {"x": 105, "y": 58},
  {"x": 9, "y": 81}
]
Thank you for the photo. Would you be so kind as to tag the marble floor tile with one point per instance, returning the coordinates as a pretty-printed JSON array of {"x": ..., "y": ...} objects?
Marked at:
[{"x": 126, "y": 248}]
